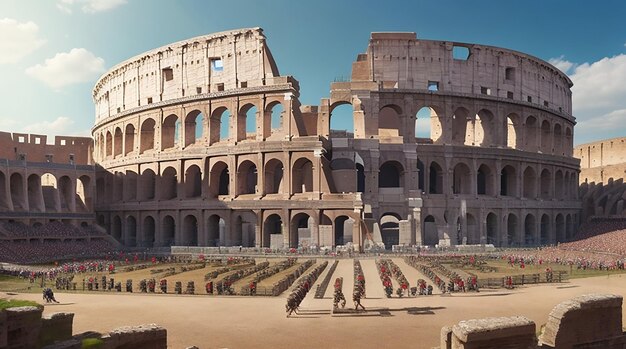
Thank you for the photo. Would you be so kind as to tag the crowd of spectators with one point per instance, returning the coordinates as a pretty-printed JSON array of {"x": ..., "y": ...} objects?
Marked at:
[
  {"x": 52, "y": 229},
  {"x": 36, "y": 252},
  {"x": 600, "y": 225}
]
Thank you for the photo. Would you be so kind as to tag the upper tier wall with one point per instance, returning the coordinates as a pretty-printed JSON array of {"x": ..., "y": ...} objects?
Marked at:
[
  {"x": 205, "y": 64},
  {"x": 602, "y": 153},
  {"x": 34, "y": 148},
  {"x": 400, "y": 60}
]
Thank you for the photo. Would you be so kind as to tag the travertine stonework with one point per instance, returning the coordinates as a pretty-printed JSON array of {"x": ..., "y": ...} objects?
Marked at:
[{"x": 194, "y": 149}]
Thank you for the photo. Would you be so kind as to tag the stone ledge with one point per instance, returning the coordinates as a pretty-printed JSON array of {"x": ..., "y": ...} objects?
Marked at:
[{"x": 491, "y": 328}]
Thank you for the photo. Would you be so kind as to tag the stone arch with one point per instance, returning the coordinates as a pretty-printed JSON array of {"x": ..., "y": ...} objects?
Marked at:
[
  {"x": 341, "y": 123},
  {"x": 193, "y": 182},
  {"x": 219, "y": 180},
  {"x": 461, "y": 179},
  {"x": 558, "y": 139},
  {"x": 170, "y": 131},
  {"x": 512, "y": 230},
  {"x": 428, "y": 125},
  {"x": 390, "y": 229},
  {"x": 116, "y": 228},
  {"x": 459, "y": 126},
  {"x": 194, "y": 127},
  {"x": 129, "y": 139},
  {"x": 508, "y": 181},
  {"x": 343, "y": 230},
  {"x": 302, "y": 176},
  {"x": 568, "y": 141},
  {"x": 273, "y": 225},
  {"x": 485, "y": 180},
  {"x": 530, "y": 230},
  {"x": 431, "y": 234},
  {"x": 391, "y": 175},
  {"x": 4, "y": 200},
  {"x": 130, "y": 186},
  {"x": 274, "y": 172},
  {"x": 131, "y": 232},
  {"x": 109, "y": 144},
  {"x": 544, "y": 237},
  {"x": 390, "y": 121},
  {"x": 530, "y": 183},
  {"x": 246, "y": 122},
  {"x": 421, "y": 171},
  {"x": 147, "y": 135},
  {"x": 215, "y": 230},
  {"x": 168, "y": 231},
  {"x": 435, "y": 176},
  {"x": 84, "y": 196},
  {"x": 35, "y": 196},
  {"x": 560, "y": 228},
  {"x": 190, "y": 231},
  {"x": 558, "y": 185},
  {"x": 247, "y": 178},
  {"x": 117, "y": 142},
  {"x": 546, "y": 137},
  {"x": 484, "y": 130},
  {"x": 472, "y": 231},
  {"x": 147, "y": 185},
  {"x": 530, "y": 133},
  {"x": 546, "y": 184},
  {"x": 343, "y": 175},
  {"x": 66, "y": 193},
  {"x": 360, "y": 174},
  {"x": 492, "y": 229},
  {"x": 148, "y": 230},
  {"x": 512, "y": 131},
  {"x": 219, "y": 125},
  {"x": 275, "y": 111},
  {"x": 301, "y": 230},
  {"x": 168, "y": 186}
]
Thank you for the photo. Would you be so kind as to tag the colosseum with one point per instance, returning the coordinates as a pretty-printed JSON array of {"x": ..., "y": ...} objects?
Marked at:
[{"x": 203, "y": 143}]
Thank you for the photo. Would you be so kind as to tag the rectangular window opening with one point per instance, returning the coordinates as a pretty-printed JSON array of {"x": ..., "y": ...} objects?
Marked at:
[
  {"x": 199, "y": 90},
  {"x": 460, "y": 53},
  {"x": 485, "y": 90},
  {"x": 529, "y": 99},
  {"x": 509, "y": 95},
  {"x": 168, "y": 74},
  {"x": 243, "y": 84},
  {"x": 509, "y": 73},
  {"x": 546, "y": 104},
  {"x": 217, "y": 65},
  {"x": 63, "y": 142},
  {"x": 220, "y": 87},
  {"x": 149, "y": 100},
  {"x": 21, "y": 139},
  {"x": 433, "y": 85}
]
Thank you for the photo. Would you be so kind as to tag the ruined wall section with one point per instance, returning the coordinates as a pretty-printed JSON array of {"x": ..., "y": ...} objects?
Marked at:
[{"x": 35, "y": 148}]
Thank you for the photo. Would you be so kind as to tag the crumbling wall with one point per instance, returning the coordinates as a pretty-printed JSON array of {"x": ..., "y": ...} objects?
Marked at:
[
  {"x": 56, "y": 327},
  {"x": 515, "y": 332},
  {"x": 23, "y": 325}
]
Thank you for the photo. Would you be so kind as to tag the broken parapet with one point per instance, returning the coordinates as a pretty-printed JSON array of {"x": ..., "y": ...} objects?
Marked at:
[
  {"x": 515, "y": 332},
  {"x": 150, "y": 336},
  {"x": 23, "y": 325},
  {"x": 56, "y": 327},
  {"x": 589, "y": 321}
]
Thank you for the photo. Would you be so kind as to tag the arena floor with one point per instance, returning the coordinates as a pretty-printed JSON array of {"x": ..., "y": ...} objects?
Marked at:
[{"x": 260, "y": 322}]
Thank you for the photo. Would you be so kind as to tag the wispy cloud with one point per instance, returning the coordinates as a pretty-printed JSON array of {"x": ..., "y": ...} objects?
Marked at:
[
  {"x": 17, "y": 40},
  {"x": 562, "y": 64},
  {"x": 89, "y": 6},
  {"x": 67, "y": 68}
]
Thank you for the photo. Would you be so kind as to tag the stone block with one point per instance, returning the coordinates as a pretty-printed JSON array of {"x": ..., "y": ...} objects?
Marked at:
[
  {"x": 3, "y": 329},
  {"x": 56, "y": 327},
  {"x": 515, "y": 332},
  {"x": 150, "y": 336},
  {"x": 23, "y": 327},
  {"x": 446, "y": 338}
]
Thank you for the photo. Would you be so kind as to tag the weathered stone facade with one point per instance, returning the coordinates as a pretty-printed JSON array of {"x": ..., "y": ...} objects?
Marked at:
[{"x": 194, "y": 150}]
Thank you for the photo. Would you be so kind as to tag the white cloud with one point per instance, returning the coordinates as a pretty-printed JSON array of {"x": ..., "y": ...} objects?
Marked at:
[
  {"x": 67, "y": 68},
  {"x": 89, "y": 6},
  {"x": 561, "y": 64},
  {"x": 17, "y": 40},
  {"x": 61, "y": 126}
]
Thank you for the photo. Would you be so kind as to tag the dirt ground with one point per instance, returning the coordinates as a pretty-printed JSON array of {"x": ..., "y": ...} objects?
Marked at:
[{"x": 260, "y": 322}]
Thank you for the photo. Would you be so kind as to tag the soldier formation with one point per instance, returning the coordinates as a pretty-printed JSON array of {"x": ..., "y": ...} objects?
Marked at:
[
  {"x": 338, "y": 296},
  {"x": 303, "y": 285},
  {"x": 359, "y": 285}
]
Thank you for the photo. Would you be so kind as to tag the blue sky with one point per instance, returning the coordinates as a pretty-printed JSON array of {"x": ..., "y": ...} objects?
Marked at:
[{"x": 52, "y": 51}]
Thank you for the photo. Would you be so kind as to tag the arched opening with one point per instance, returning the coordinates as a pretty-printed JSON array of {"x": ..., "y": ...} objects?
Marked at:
[
  {"x": 131, "y": 231},
  {"x": 169, "y": 184},
  {"x": 360, "y": 177},
  {"x": 342, "y": 121},
  {"x": 569, "y": 228},
  {"x": 194, "y": 127},
  {"x": 129, "y": 139},
  {"x": 546, "y": 181},
  {"x": 170, "y": 131},
  {"x": 117, "y": 142},
  {"x": 492, "y": 229},
  {"x": 431, "y": 235},
  {"x": 300, "y": 232},
  {"x": 461, "y": 179},
  {"x": 530, "y": 186},
  {"x": 147, "y": 185},
  {"x": 216, "y": 226},
  {"x": 512, "y": 122},
  {"x": 168, "y": 231},
  {"x": 190, "y": 231},
  {"x": 390, "y": 122},
  {"x": 530, "y": 230},
  {"x": 219, "y": 181},
  {"x": 558, "y": 140},
  {"x": 130, "y": 186},
  {"x": 276, "y": 116},
  {"x": 530, "y": 133},
  {"x": 343, "y": 175},
  {"x": 219, "y": 125},
  {"x": 427, "y": 125},
  {"x": 390, "y": 230},
  {"x": 484, "y": 132},
  {"x": 391, "y": 175},
  {"x": 109, "y": 144},
  {"x": 193, "y": 182},
  {"x": 508, "y": 181},
  {"x": 101, "y": 192},
  {"x": 568, "y": 141},
  {"x": 147, "y": 135},
  {"x": 66, "y": 193},
  {"x": 273, "y": 226},
  {"x": 247, "y": 178},
  {"x": 558, "y": 185},
  {"x": 459, "y": 126},
  {"x": 343, "y": 230},
  {"x": 273, "y": 176},
  {"x": 484, "y": 181},
  {"x": 246, "y": 122},
  {"x": 35, "y": 197},
  {"x": 237, "y": 236},
  {"x": 512, "y": 230},
  {"x": 472, "y": 232},
  {"x": 420, "y": 175},
  {"x": 4, "y": 200},
  {"x": 435, "y": 179},
  {"x": 149, "y": 228},
  {"x": 118, "y": 187},
  {"x": 116, "y": 228},
  {"x": 545, "y": 230},
  {"x": 84, "y": 194},
  {"x": 546, "y": 137},
  {"x": 302, "y": 176},
  {"x": 560, "y": 228}
]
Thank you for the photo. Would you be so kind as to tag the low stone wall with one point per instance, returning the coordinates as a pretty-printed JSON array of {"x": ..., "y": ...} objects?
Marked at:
[
  {"x": 56, "y": 327},
  {"x": 149, "y": 336},
  {"x": 505, "y": 332},
  {"x": 23, "y": 325}
]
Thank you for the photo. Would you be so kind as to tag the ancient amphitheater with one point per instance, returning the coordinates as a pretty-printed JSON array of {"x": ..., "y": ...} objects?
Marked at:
[{"x": 203, "y": 142}]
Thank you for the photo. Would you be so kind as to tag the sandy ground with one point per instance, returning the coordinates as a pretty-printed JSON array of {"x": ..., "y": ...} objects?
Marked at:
[{"x": 260, "y": 322}]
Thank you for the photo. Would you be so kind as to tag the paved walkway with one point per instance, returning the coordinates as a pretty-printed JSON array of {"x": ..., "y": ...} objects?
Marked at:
[
  {"x": 345, "y": 269},
  {"x": 412, "y": 274},
  {"x": 373, "y": 285}
]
